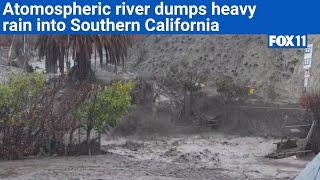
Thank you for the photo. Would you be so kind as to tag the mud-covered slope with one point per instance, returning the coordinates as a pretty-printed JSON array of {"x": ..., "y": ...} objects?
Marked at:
[{"x": 277, "y": 73}]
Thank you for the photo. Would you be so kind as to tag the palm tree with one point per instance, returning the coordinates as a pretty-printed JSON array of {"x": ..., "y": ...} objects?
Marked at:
[{"x": 56, "y": 49}]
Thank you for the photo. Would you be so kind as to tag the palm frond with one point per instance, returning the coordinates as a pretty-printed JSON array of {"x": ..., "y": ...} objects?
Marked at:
[{"x": 56, "y": 49}]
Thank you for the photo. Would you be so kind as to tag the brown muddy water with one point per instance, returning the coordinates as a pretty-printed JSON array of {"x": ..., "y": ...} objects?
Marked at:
[{"x": 197, "y": 156}]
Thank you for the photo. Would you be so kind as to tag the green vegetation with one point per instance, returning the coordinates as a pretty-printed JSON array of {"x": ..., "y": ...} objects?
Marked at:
[
  {"x": 19, "y": 99},
  {"x": 33, "y": 119},
  {"x": 20, "y": 93},
  {"x": 107, "y": 105},
  {"x": 103, "y": 108}
]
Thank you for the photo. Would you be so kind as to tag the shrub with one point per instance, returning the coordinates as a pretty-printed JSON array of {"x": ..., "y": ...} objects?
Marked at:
[
  {"x": 21, "y": 91},
  {"x": 229, "y": 89},
  {"x": 311, "y": 101},
  {"x": 104, "y": 108},
  {"x": 186, "y": 74},
  {"x": 33, "y": 119},
  {"x": 108, "y": 105},
  {"x": 6, "y": 95},
  {"x": 18, "y": 97}
]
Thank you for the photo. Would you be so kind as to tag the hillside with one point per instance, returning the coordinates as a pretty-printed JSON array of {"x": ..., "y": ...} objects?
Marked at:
[{"x": 277, "y": 74}]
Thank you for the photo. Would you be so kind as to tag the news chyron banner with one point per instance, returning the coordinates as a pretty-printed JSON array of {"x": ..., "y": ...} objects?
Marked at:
[{"x": 286, "y": 22}]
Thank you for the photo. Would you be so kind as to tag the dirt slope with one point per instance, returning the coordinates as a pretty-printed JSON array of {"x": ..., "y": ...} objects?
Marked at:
[{"x": 276, "y": 73}]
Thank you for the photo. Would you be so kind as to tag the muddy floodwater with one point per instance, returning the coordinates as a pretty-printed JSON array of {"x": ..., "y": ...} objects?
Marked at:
[{"x": 198, "y": 156}]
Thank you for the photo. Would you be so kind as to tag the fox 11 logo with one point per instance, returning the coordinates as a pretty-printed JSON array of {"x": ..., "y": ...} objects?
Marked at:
[{"x": 287, "y": 41}]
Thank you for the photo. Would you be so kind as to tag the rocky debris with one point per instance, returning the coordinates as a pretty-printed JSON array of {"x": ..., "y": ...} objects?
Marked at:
[
  {"x": 226, "y": 143},
  {"x": 133, "y": 146},
  {"x": 171, "y": 152},
  {"x": 204, "y": 156}
]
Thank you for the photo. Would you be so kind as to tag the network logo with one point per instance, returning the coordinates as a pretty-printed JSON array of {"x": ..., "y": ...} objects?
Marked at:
[{"x": 287, "y": 41}]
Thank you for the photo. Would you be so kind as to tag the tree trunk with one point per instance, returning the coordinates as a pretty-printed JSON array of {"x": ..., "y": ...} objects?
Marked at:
[
  {"x": 90, "y": 123},
  {"x": 99, "y": 141},
  {"x": 61, "y": 63},
  {"x": 187, "y": 105},
  {"x": 89, "y": 128},
  {"x": 82, "y": 69},
  {"x": 79, "y": 140},
  {"x": 70, "y": 141},
  {"x": 88, "y": 141}
]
